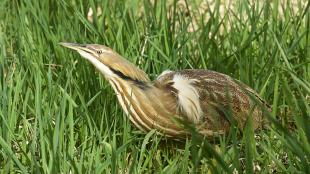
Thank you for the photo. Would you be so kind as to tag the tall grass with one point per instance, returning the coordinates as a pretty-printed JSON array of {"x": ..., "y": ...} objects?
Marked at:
[{"x": 58, "y": 115}]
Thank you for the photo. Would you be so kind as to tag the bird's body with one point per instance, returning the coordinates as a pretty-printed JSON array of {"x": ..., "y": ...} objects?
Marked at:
[{"x": 208, "y": 100}]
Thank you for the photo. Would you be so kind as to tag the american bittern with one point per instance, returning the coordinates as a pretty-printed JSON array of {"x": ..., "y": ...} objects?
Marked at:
[{"x": 199, "y": 97}]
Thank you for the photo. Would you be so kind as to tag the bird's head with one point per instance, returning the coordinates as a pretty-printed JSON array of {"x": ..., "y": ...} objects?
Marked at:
[{"x": 108, "y": 62}]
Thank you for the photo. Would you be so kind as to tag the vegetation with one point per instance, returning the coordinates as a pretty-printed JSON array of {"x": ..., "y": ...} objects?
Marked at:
[{"x": 58, "y": 115}]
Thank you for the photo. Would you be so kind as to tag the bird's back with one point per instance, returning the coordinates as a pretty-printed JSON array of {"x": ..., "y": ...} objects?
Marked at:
[{"x": 212, "y": 100}]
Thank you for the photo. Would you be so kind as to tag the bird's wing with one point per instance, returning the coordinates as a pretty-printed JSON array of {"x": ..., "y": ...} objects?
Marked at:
[{"x": 211, "y": 99}]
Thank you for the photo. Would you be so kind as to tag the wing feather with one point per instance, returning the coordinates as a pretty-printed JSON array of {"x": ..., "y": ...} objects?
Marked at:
[{"x": 222, "y": 99}]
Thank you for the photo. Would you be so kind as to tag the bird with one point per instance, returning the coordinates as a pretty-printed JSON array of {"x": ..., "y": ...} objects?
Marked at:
[{"x": 208, "y": 101}]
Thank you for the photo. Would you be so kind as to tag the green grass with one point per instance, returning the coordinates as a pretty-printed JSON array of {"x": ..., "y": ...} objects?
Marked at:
[{"x": 58, "y": 115}]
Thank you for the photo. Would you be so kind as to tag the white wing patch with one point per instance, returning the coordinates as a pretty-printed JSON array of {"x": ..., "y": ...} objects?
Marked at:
[
  {"x": 163, "y": 73},
  {"x": 188, "y": 97}
]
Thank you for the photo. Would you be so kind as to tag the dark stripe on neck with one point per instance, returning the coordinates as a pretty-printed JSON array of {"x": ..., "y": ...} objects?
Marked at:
[{"x": 139, "y": 83}]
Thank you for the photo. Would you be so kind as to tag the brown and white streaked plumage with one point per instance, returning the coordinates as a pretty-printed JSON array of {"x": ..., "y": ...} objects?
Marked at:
[{"x": 199, "y": 97}]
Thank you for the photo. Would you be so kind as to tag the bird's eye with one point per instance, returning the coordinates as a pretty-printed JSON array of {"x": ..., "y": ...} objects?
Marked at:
[{"x": 99, "y": 52}]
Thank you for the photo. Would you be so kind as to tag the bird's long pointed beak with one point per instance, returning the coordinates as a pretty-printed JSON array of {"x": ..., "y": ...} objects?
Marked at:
[
  {"x": 73, "y": 46},
  {"x": 85, "y": 50}
]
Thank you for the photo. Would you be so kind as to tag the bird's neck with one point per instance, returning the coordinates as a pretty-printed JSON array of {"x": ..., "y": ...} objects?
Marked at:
[
  {"x": 123, "y": 68},
  {"x": 147, "y": 106}
]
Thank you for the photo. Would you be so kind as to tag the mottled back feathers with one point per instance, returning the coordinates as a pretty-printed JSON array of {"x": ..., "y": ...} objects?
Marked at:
[{"x": 210, "y": 98}]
